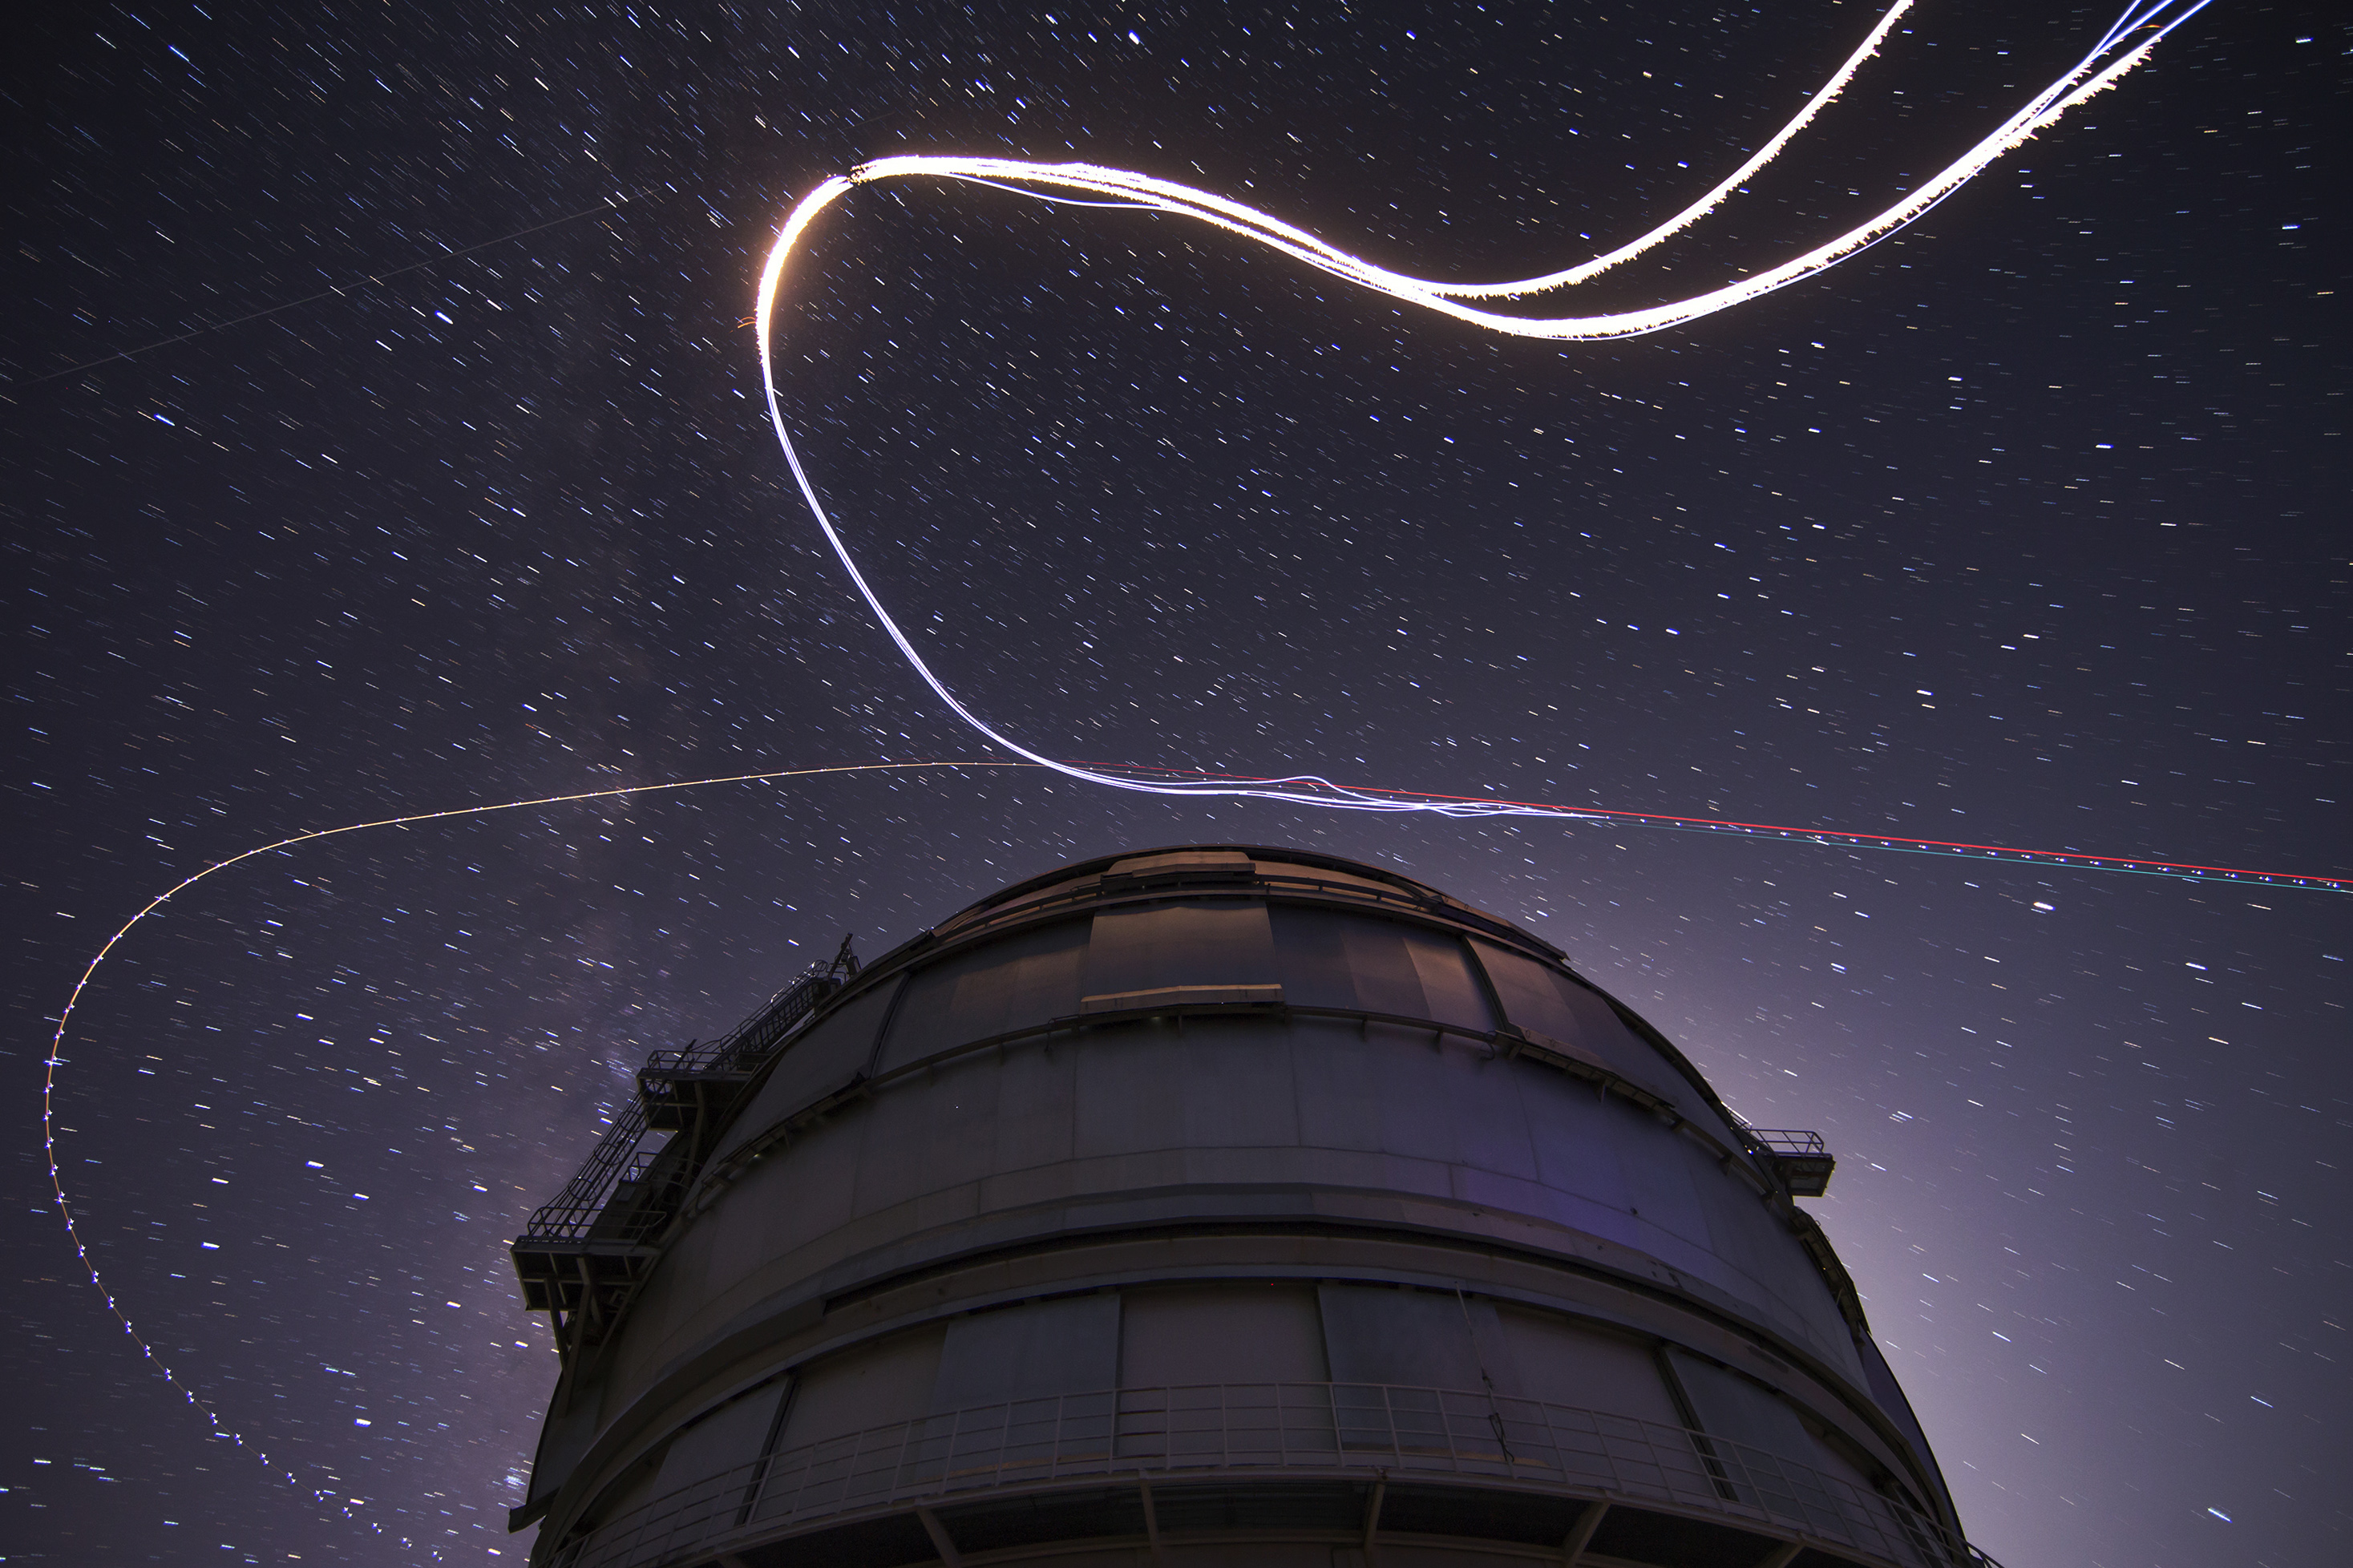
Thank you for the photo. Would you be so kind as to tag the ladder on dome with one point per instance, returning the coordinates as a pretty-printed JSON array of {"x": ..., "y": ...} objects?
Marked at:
[{"x": 583, "y": 1256}]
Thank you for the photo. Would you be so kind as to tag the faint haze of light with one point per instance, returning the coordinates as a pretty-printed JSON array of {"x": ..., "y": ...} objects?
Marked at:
[
  {"x": 335, "y": 292},
  {"x": 2124, "y": 45},
  {"x": 57, "y": 1058}
]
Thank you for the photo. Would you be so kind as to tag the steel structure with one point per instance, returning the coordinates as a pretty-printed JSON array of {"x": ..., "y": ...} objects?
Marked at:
[{"x": 1215, "y": 1201}]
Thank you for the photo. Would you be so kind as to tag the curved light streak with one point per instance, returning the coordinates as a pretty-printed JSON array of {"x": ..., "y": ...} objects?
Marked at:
[
  {"x": 2143, "y": 23},
  {"x": 2143, "y": 13},
  {"x": 2095, "y": 72},
  {"x": 1466, "y": 805},
  {"x": 57, "y": 1057},
  {"x": 1815, "y": 104}
]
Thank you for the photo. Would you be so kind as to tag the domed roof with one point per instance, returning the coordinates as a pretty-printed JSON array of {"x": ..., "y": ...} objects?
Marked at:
[
  {"x": 1230, "y": 1116},
  {"x": 1186, "y": 861}
]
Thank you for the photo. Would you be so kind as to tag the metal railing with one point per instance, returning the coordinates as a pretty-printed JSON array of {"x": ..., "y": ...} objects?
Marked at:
[
  {"x": 1788, "y": 1141},
  {"x": 752, "y": 1040},
  {"x": 615, "y": 1159},
  {"x": 1264, "y": 1433},
  {"x": 576, "y": 1209}
]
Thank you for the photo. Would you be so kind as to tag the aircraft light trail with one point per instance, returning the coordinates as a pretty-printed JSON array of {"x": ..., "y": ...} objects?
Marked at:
[
  {"x": 1381, "y": 797},
  {"x": 57, "y": 1058},
  {"x": 2118, "y": 50},
  {"x": 2126, "y": 44}
]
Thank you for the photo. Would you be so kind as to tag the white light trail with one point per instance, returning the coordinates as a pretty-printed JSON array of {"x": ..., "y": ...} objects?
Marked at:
[
  {"x": 2142, "y": 26},
  {"x": 57, "y": 1059}
]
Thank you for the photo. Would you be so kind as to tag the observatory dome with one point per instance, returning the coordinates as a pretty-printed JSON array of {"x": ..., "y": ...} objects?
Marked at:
[{"x": 1221, "y": 1202}]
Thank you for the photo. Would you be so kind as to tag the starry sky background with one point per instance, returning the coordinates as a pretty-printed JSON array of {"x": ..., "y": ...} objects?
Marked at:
[{"x": 2024, "y": 527}]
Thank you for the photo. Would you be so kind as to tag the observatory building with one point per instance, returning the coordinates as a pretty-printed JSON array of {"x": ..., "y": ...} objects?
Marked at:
[{"x": 1209, "y": 1205}]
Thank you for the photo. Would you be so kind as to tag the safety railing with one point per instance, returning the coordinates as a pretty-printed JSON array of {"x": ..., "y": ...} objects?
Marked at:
[
  {"x": 1241, "y": 1434},
  {"x": 752, "y": 1040},
  {"x": 1789, "y": 1140},
  {"x": 575, "y": 1210},
  {"x": 616, "y": 1159}
]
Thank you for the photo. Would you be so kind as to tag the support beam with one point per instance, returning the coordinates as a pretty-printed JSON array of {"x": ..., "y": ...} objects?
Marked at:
[
  {"x": 940, "y": 1542},
  {"x": 1781, "y": 1556},
  {"x": 1572, "y": 1551},
  {"x": 1151, "y": 1514},
  {"x": 1373, "y": 1513}
]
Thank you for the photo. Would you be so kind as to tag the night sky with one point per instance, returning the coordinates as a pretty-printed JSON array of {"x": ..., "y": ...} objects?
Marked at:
[{"x": 2026, "y": 528}]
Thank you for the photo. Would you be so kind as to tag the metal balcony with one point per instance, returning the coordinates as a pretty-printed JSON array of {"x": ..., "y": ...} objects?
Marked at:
[{"x": 1802, "y": 1158}]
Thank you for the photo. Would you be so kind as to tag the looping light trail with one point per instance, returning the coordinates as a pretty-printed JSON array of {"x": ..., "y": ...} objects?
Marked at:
[
  {"x": 2126, "y": 44},
  {"x": 2148, "y": 21}
]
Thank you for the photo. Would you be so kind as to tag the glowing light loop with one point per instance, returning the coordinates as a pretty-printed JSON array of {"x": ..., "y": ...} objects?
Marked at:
[{"x": 2144, "y": 24}]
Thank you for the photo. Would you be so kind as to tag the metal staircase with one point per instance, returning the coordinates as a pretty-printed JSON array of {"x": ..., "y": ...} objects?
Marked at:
[{"x": 583, "y": 1256}]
